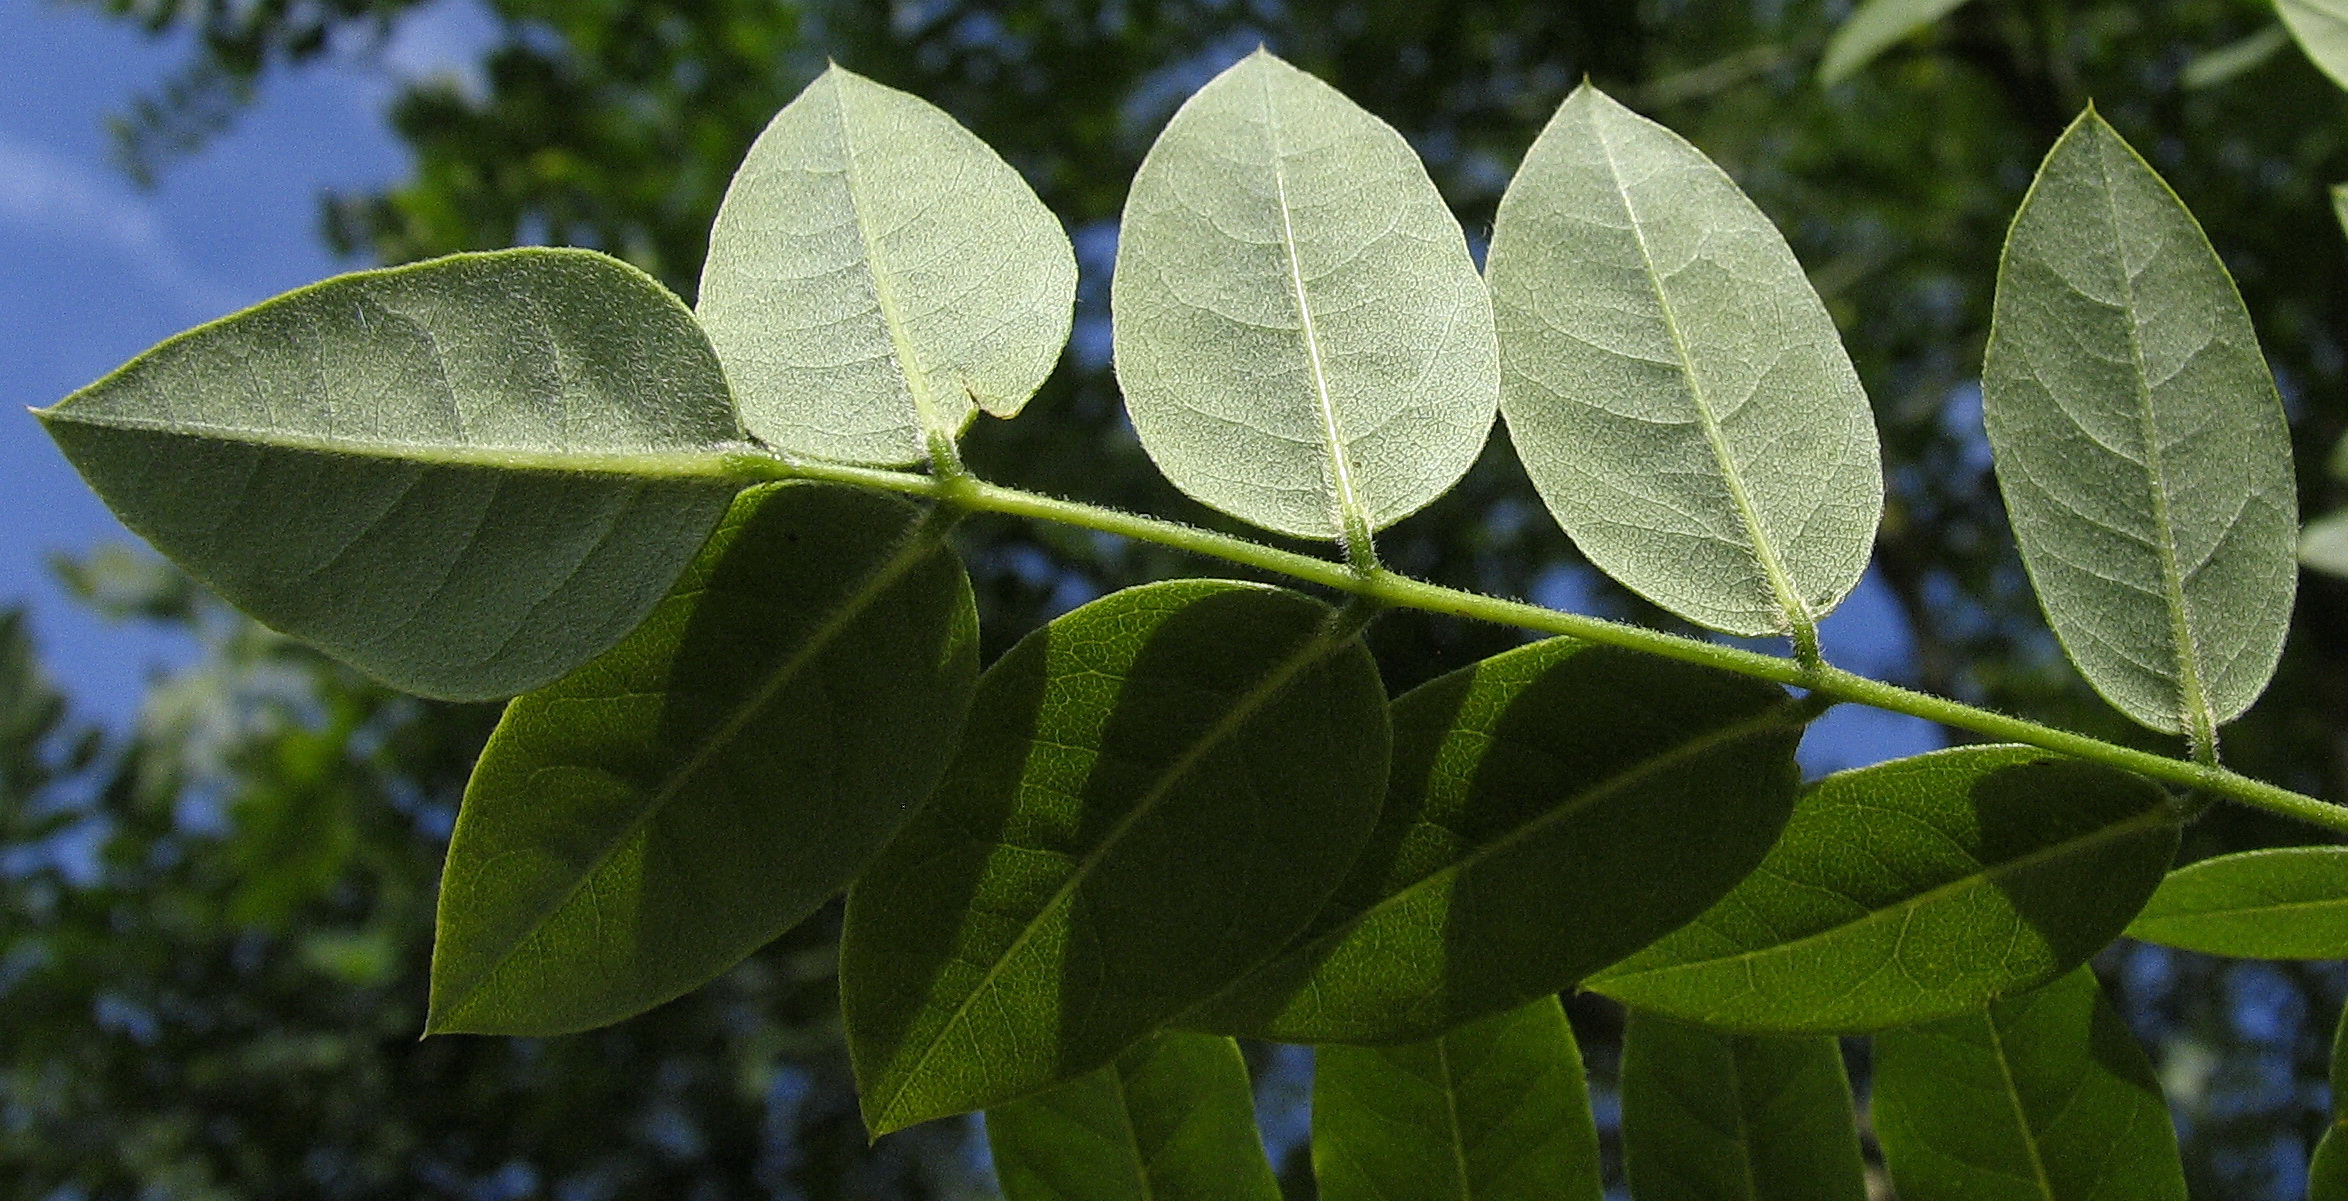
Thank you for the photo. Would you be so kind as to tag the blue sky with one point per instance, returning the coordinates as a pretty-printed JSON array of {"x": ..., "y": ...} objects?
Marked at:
[{"x": 94, "y": 270}]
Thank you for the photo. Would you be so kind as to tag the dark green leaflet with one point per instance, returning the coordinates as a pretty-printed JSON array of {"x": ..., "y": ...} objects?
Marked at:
[
  {"x": 638, "y": 826},
  {"x": 1915, "y": 890},
  {"x": 1496, "y": 1110},
  {"x": 1533, "y": 796},
  {"x": 1155, "y": 792},
  {"x": 1172, "y": 1119},
  {"x": 465, "y": 477},
  {"x": 2284, "y": 903},
  {"x": 2040, "y": 1097},
  {"x": 1713, "y": 1116}
]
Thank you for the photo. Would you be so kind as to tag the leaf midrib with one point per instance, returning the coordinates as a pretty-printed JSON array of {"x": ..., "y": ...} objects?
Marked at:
[
  {"x": 1314, "y": 649},
  {"x": 1695, "y": 748},
  {"x": 2200, "y": 724},
  {"x": 2153, "y": 817},
  {"x": 916, "y": 545},
  {"x": 1455, "y": 1137},
  {"x": 925, "y": 408},
  {"x": 2013, "y": 1094},
  {"x": 711, "y": 464},
  {"x": 1349, "y": 506},
  {"x": 1793, "y": 609}
]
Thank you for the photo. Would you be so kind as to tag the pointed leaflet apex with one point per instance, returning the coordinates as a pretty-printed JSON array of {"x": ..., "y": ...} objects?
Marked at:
[{"x": 2140, "y": 443}]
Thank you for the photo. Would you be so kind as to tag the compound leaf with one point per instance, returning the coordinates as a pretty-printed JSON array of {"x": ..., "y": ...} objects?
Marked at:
[
  {"x": 639, "y": 825},
  {"x": 1536, "y": 830},
  {"x": 1671, "y": 381},
  {"x": 2040, "y": 1097},
  {"x": 2284, "y": 903},
  {"x": 1877, "y": 26},
  {"x": 1915, "y": 890},
  {"x": 1302, "y": 338},
  {"x": 1712, "y": 1116},
  {"x": 878, "y": 275},
  {"x": 2321, "y": 28},
  {"x": 1155, "y": 793},
  {"x": 2139, "y": 441},
  {"x": 465, "y": 476},
  {"x": 1496, "y": 1110},
  {"x": 1172, "y": 1119}
]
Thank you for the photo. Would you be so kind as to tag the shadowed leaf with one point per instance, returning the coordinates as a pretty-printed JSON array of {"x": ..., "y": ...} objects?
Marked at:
[
  {"x": 638, "y": 826},
  {"x": 1535, "y": 831},
  {"x": 1172, "y": 1119},
  {"x": 1709, "y": 1116},
  {"x": 1914, "y": 890},
  {"x": 1155, "y": 792}
]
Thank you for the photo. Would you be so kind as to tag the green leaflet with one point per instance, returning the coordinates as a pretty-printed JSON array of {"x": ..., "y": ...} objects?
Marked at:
[
  {"x": 2286, "y": 903},
  {"x": 1708, "y": 1116},
  {"x": 1877, "y": 26},
  {"x": 2140, "y": 443},
  {"x": 1172, "y": 1119},
  {"x": 2040, "y": 1097},
  {"x": 1536, "y": 830},
  {"x": 1496, "y": 1110},
  {"x": 877, "y": 275},
  {"x": 1914, "y": 890},
  {"x": 1155, "y": 793},
  {"x": 2340, "y": 204},
  {"x": 1302, "y": 338},
  {"x": 465, "y": 477},
  {"x": 2323, "y": 545},
  {"x": 2327, "y": 1172},
  {"x": 2321, "y": 28},
  {"x": 1672, "y": 383},
  {"x": 638, "y": 826},
  {"x": 2233, "y": 59}
]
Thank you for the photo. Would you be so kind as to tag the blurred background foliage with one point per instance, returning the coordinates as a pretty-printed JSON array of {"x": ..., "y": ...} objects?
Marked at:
[{"x": 214, "y": 929}]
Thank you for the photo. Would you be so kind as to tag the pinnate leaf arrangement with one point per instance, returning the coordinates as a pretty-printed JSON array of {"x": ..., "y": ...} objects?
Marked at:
[{"x": 710, "y": 556}]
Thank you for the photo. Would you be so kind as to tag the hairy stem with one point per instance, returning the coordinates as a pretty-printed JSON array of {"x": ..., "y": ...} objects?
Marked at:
[{"x": 1386, "y": 587}]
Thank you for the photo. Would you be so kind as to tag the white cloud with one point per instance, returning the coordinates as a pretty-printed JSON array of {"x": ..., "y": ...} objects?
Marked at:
[{"x": 46, "y": 195}]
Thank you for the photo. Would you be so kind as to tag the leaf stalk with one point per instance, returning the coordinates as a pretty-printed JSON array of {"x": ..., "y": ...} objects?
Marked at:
[{"x": 1392, "y": 589}]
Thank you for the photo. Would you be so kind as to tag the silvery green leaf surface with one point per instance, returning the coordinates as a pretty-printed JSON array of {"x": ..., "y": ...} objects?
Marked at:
[
  {"x": 2039, "y": 1097},
  {"x": 877, "y": 275},
  {"x": 1172, "y": 1119},
  {"x": 638, "y": 826},
  {"x": 465, "y": 477},
  {"x": 1875, "y": 27},
  {"x": 2323, "y": 545},
  {"x": 1712, "y": 1116},
  {"x": 2321, "y": 28},
  {"x": 1155, "y": 792},
  {"x": 1300, "y": 332},
  {"x": 1536, "y": 830},
  {"x": 1914, "y": 890},
  {"x": 2139, "y": 440},
  {"x": 1497, "y": 1110},
  {"x": 1671, "y": 381},
  {"x": 2282, "y": 903}
]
